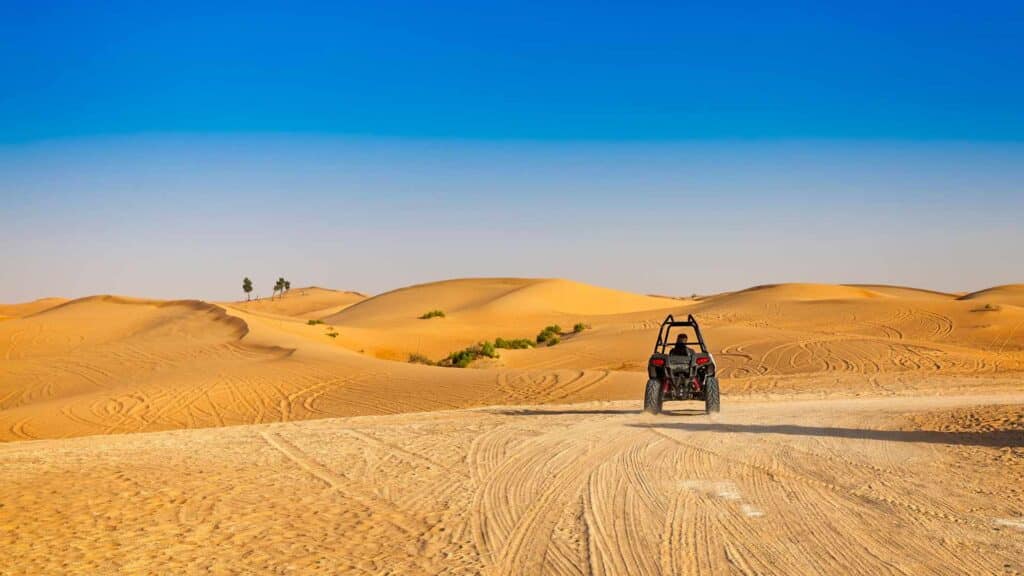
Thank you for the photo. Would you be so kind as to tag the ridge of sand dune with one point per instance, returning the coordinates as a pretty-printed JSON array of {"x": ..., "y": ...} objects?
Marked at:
[
  {"x": 311, "y": 303},
  {"x": 905, "y": 291},
  {"x": 804, "y": 291},
  {"x": 494, "y": 297},
  {"x": 1012, "y": 294},
  {"x": 388, "y": 326},
  {"x": 566, "y": 297},
  {"x": 411, "y": 301},
  {"x": 126, "y": 300},
  {"x": 29, "y": 308},
  {"x": 105, "y": 319}
]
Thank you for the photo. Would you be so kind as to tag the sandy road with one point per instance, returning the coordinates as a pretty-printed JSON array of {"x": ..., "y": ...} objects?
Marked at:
[{"x": 864, "y": 486}]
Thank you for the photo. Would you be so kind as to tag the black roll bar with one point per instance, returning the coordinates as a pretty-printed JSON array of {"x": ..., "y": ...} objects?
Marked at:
[{"x": 666, "y": 328}]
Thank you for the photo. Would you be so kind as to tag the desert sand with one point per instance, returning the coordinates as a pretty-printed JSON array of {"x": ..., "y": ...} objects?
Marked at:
[
  {"x": 311, "y": 303},
  {"x": 865, "y": 429}
]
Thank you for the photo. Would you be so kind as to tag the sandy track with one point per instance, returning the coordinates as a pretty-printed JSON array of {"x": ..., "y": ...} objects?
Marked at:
[{"x": 905, "y": 485}]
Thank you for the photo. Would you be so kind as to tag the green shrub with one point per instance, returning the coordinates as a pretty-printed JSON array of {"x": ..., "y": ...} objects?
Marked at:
[
  {"x": 580, "y": 327},
  {"x": 332, "y": 334},
  {"x": 465, "y": 357},
  {"x": 459, "y": 359},
  {"x": 487, "y": 349},
  {"x": 314, "y": 322},
  {"x": 432, "y": 314},
  {"x": 420, "y": 359},
  {"x": 514, "y": 344},
  {"x": 553, "y": 340},
  {"x": 548, "y": 333}
]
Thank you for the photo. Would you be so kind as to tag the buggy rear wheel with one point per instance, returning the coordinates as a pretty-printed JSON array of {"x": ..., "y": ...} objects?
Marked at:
[
  {"x": 653, "y": 397},
  {"x": 712, "y": 399}
]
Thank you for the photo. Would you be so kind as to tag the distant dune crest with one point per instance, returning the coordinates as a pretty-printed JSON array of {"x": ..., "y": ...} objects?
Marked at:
[
  {"x": 1012, "y": 294},
  {"x": 501, "y": 297},
  {"x": 311, "y": 302},
  {"x": 798, "y": 291},
  {"x": 29, "y": 308}
]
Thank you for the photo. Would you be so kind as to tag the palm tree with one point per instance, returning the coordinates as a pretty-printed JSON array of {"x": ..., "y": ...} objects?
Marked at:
[{"x": 246, "y": 287}]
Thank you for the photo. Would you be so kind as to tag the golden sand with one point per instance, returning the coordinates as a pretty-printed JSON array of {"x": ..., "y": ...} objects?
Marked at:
[{"x": 865, "y": 429}]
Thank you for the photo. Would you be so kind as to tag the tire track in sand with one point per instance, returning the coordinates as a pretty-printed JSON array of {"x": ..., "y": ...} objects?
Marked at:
[
  {"x": 378, "y": 507},
  {"x": 517, "y": 507}
]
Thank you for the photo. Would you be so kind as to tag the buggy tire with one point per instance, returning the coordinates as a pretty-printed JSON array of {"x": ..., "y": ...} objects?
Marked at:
[
  {"x": 712, "y": 398},
  {"x": 653, "y": 397}
]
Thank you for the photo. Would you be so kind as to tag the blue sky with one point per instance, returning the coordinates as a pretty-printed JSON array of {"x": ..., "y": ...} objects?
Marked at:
[
  {"x": 538, "y": 70},
  {"x": 368, "y": 145}
]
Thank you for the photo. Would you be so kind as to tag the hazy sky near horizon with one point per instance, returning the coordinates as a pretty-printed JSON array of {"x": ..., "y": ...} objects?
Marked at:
[{"x": 169, "y": 150}]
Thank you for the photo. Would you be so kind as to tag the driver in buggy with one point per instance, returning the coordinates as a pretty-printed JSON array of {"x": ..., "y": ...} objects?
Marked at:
[{"x": 680, "y": 348}]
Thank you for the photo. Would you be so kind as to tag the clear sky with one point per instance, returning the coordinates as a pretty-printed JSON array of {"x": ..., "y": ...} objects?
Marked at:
[{"x": 168, "y": 149}]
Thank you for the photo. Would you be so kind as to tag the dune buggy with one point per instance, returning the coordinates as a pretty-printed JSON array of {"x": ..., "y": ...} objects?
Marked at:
[{"x": 686, "y": 371}]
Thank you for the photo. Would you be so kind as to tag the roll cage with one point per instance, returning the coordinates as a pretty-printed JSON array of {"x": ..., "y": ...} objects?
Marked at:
[{"x": 664, "y": 332}]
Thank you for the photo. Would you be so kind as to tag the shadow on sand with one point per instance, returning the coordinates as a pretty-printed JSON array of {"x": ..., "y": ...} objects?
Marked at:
[
  {"x": 562, "y": 411},
  {"x": 992, "y": 439}
]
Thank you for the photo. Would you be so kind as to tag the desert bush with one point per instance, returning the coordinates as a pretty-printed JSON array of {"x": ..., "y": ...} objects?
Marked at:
[
  {"x": 513, "y": 344},
  {"x": 465, "y": 357},
  {"x": 988, "y": 308},
  {"x": 459, "y": 359},
  {"x": 580, "y": 327},
  {"x": 314, "y": 322},
  {"x": 332, "y": 334},
  {"x": 432, "y": 314},
  {"x": 487, "y": 349},
  {"x": 420, "y": 359},
  {"x": 553, "y": 340},
  {"x": 548, "y": 333}
]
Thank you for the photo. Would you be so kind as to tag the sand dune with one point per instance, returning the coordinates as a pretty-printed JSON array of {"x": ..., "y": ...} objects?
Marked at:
[
  {"x": 108, "y": 364},
  {"x": 500, "y": 297},
  {"x": 29, "y": 308},
  {"x": 768, "y": 331},
  {"x": 388, "y": 326},
  {"x": 1012, "y": 294},
  {"x": 311, "y": 303},
  {"x": 762, "y": 341},
  {"x": 98, "y": 320},
  {"x": 796, "y": 291},
  {"x": 96, "y": 364},
  {"x": 906, "y": 292},
  {"x": 852, "y": 415},
  {"x": 912, "y": 485}
]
